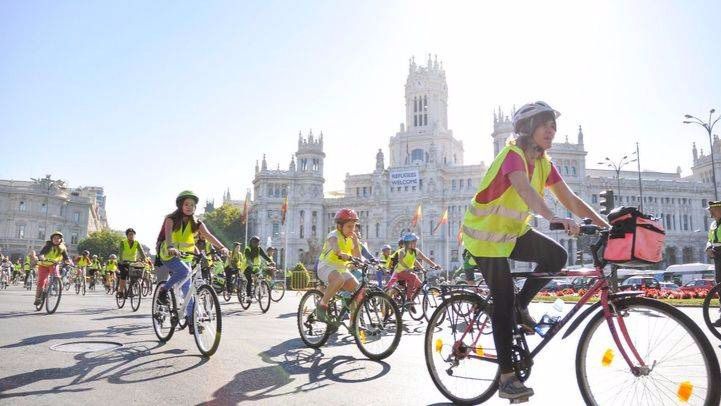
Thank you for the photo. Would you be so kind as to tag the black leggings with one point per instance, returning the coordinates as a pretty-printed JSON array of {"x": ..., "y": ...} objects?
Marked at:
[
  {"x": 229, "y": 278},
  {"x": 248, "y": 280},
  {"x": 533, "y": 246}
]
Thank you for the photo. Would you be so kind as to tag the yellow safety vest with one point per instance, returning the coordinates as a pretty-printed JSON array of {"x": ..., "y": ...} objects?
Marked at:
[
  {"x": 491, "y": 229},
  {"x": 713, "y": 237},
  {"x": 344, "y": 244},
  {"x": 112, "y": 265},
  {"x": 54, "y": 257},
  {"x": 27, "y": 263},
  {"x": 386, "y": 261},
  {"x": 184, "y": 240},
  {"x": 408, "y": 262},
  {"x": 129, "y": 253},
  {"x": 82, "y": 261},
  {"x": 236, "y": 261}
]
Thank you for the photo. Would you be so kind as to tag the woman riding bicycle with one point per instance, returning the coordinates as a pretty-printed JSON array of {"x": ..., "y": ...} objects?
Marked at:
[
  {"x": 234, "y": 262},
  {"x": 53, "y": 253},
  {"x": 340, "y": 246},
  {"x": 253, "y": 253},
  {"x": 496, "y": 227},
  {"x": 179, "y": 233},
  {"x": 408, "y": 257}
]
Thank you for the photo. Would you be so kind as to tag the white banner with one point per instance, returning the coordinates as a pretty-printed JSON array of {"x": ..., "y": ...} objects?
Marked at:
[{"x": 407, "y": 177}]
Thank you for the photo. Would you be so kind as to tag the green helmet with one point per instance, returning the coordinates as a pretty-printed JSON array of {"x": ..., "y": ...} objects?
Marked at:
[{"x": 184, "y": 195}]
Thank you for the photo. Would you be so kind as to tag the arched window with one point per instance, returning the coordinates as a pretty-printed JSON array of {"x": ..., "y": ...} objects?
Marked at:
[{"x": 417, "y": 155}]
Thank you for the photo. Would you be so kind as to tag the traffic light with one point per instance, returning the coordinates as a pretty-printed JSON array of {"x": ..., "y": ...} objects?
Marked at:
[{"x": 606, "y": 201}]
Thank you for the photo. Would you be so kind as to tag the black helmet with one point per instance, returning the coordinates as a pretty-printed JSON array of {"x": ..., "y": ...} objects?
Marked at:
[{"x": 130, "y": 230}]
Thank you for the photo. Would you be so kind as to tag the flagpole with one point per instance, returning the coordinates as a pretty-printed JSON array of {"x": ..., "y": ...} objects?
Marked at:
[
  {"x": 287, "y": 207},
  {"x": 448, "y": 253},
  {"x": 247, "y": 217}
]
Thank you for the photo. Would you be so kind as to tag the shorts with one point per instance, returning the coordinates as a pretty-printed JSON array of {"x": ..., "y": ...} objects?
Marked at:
[
  {"x": 325, "y": 269},
  {"x": 124, "y": 269}
]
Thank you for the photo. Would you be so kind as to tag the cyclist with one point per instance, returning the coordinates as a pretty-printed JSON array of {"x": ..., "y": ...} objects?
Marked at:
[
  {"x": 31, "y": 262},
  {"x": 93, "y": 268},
  {"x": 111, "y": 270},
  {"x": 82, "y": 263},
  {"x": 130, "y": 251},
  {"x": 496, "y": 227},
  {"x": 234, "y": 262},
  {"x": 713, "y": 246},
  {"x": 178, "y": 235},
  {"x": 53, "y": 253},
  {"x": 271, "y": 254},
  {"x": 386, "y": 261},
  {"x": 408, "y": 258},
  {"x": 340, "y": 246},
  {"x": 17, "y": 269},
  {"x": 253, "y": 253}
]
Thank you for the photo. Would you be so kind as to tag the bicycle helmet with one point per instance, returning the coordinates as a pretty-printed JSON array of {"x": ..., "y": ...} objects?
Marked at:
[
  {"x": 410, "y": 237},
  {"x": 345, "y": 215},
  {"x": 95, "y": 255},
  {"x": 86, "y": 253},
  {"x": 525, "y": 119},
  {"x": 386, "y": 247},
  {"x": 112, "y": 256},
  {"x": 184, "y": 195},
  {"x": 254, "y": 238},
  {"x": 58, "y": 233},
  {"x": 130, "y": 230}
]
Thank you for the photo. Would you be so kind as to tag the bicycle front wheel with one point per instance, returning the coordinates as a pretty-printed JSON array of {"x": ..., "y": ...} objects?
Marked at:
[
  {"x": 242, "y": 294},
  {"x": 431, "y": 300},
  {"x": 377, "y": 326},
  {"x": 460, "y": 356},
  {"x": 263, "y": 296},
  {"x": 712, "y": 310},
  {"x": 55, "y": 292},
  {"x": 135, "y": 296},
  {"x": 673, "y": 361},
  {"x": 207, "y": 320},
  {"x": 120, "y": 299},
  {"x": 277, "y": 291}
]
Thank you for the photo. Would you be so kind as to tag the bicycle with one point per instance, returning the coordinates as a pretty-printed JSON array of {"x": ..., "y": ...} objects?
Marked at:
[
  {"x": 710, "y": 306},
  {"x": 260, "y": 291},
  {"x": 229, "y": 285},
  {"x": 79, "y": 279},
  {"x": 425, "y": 300},
  {"x": 4, "y": 279},
  {"x": 146, "y": 283},
  {"x": 132, "y": 286},
  {"x": 664, "y": 355},
  {"x": 375, "y": 322},
  {"x": 206, "y": 316},
  {"x": 51, "y": 294},
  {"x": 277, "y": 286},
  {"x": 30, "y": 280}
]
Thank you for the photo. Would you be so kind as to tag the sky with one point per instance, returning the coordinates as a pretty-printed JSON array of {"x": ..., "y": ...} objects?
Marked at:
[{"x": 150, "y": 98}]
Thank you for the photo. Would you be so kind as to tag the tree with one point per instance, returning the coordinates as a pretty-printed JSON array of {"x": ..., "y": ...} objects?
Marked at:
[
  {"x": 224, "y": 222},
  {"x": 102, "y": 243}
]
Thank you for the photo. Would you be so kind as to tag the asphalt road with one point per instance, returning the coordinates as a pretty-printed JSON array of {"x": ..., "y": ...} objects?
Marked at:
[{"x": 261, "y": 360}]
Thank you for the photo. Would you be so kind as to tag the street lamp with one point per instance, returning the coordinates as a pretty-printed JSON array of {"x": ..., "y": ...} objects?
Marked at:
[
  {"x": 617, "y": 166},
  {"x": 709, "y": 129}
]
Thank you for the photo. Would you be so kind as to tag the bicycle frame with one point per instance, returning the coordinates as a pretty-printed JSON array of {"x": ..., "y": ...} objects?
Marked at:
[{"x": 194, "y": 276}]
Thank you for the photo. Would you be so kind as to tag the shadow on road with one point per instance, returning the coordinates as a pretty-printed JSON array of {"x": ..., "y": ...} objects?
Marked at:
[
  {"x": 117, "y": 366},
  {"x": 109, "y": 332},
  {"x": 33, "y": 313},
  {"x": 291, "y": 358}
]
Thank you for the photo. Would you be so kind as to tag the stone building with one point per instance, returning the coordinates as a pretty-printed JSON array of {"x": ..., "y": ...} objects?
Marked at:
[
  {"x": 31, "y": 210},
  {"x": 426, "y": 166}
]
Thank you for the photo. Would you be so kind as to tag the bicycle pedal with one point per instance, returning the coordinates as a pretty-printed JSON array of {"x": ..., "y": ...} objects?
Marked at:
[{"x": 519, "y": 400}]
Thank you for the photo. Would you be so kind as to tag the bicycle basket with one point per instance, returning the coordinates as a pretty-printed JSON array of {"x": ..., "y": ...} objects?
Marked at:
[{"x": 635, "y": 239}]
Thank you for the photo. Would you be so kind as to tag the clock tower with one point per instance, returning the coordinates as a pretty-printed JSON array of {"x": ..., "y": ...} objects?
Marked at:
[{"x": 424, "y": 138}]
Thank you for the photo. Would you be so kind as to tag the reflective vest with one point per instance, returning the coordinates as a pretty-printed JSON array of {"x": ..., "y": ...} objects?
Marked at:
[
  {"x": 184, "y": 240},
  {"x": 236, "y": 260},
  {"x": 713, "y": 237},
  {"x": 54, "y": 257},
  {"x": 112, "y": 265},
  {"x": 27, "y": 263},
  {"x": 95, "y": 264},
  {"x": 386, "y": 261},
  {"x": 129, "y": 253},
  {"x": 408, "y": 262},
  {"x": 82, "y": 261},
  {"x": 344, "y": 244},
  {"x": 491, "y": 229}
]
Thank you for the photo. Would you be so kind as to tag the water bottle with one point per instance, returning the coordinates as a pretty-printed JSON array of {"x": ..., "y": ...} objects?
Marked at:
[{"x": 550, "y": 318}]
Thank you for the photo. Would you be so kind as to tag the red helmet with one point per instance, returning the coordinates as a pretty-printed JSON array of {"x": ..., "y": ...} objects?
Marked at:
[{"x": 345, "y": 215}]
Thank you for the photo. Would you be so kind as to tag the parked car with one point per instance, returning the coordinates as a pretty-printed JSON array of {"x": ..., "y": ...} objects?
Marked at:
[
  {"x": 669, "y": 287},
  {"x": 555, "y": 285},
  {"x": 697, "y": 284},
  {"x": 639, "y": 282},
  {"x": 582, "y": 283}
]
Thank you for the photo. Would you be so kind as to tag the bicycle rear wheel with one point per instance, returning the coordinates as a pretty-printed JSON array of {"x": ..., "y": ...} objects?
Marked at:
[
  {"x": 120, "y": 299},
  {"x": 712, "y": 310},
  {"x": 164, "y": 321},
  {"x": 135, "y": 295},
  {"x": 678, "y": 365},
  {"x": 313, "y": 333},
  {"x": 55, "y": 292},
  {"x": 207, "y": 320},
  {"x": 277, "y": 291},
  {"x": 263, "y": 296},
  {"x": 461, "y": 359},
  {"x": 377, "y": 326}
]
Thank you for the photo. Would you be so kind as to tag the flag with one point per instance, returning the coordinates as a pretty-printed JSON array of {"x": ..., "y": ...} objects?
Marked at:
[
  {"x": 443, "y": 220},
  {"x": 283, "y": 211},
  {"x": 416, "y": 216},
  {"x": 246, "y": 206},
  {"x": 459, "y": 237}
]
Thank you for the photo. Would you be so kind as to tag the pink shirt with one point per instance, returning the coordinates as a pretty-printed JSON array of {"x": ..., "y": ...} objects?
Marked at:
[{"x": 511, "y": 163}]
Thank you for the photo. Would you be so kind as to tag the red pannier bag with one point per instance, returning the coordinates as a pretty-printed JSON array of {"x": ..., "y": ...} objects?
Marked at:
[{"x": 635, "y": 239}]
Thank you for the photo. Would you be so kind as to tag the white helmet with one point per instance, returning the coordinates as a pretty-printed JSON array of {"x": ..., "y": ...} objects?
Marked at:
[{"x": 528, "y": 111}]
